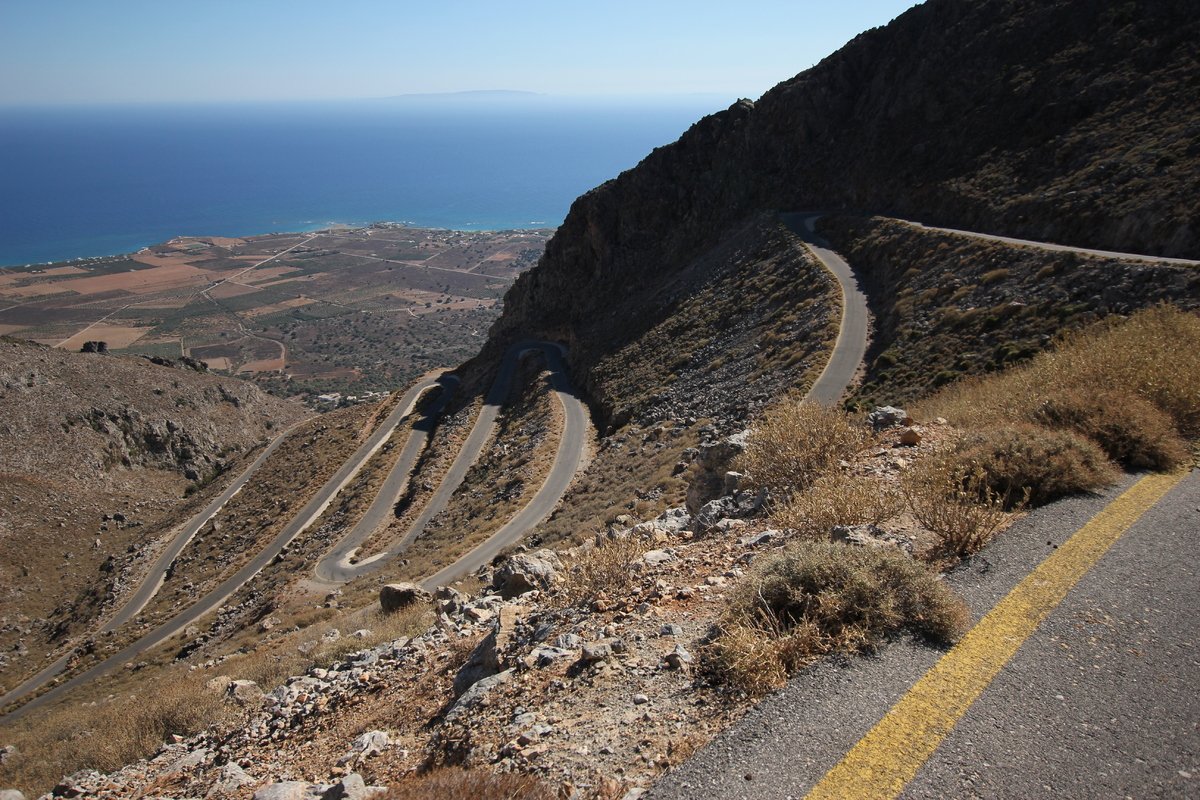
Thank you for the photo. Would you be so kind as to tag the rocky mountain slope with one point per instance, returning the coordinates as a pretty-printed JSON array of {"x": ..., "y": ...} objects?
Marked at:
[
  {"x": 95, "y": 452},
  {"x": 1070, "y": 121}
]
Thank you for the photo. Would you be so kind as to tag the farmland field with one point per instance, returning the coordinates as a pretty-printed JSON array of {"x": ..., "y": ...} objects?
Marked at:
[{"x": 346, "y": 310}]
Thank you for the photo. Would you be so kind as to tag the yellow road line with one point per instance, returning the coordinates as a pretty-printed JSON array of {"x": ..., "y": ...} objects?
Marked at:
[{"x": 889, "y": 756}]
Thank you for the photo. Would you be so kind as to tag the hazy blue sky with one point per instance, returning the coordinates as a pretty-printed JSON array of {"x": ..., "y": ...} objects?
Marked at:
[{"x": 72, "y": 51}]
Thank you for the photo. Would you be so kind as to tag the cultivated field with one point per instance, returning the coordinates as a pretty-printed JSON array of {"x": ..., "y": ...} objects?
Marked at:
[{"x": 345, "y": 310}]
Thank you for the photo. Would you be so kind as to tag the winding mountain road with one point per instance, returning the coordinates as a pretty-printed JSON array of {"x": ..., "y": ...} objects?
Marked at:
[
  {"x": 1077, "y": 681},
  {"x": 211, "y": 601},
  {"x": 851, "y": 345},
  {"x": 336, "y": 568}
]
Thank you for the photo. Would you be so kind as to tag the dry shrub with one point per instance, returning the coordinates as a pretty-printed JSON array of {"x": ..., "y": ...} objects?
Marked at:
[
  {"x": 469, "y": 784},
  {"x": 109, "y": 734},
  {"x": 794, "y": 442},
  {"x": 956, "y": 504},
  {"x": 606, "y": 569},
  {"x": 816, "y": 597},
  {"x": 1101, "y": 382},
  {"x": 837, "y": 500},
  {"x": 1033, "y": 463},
  {"x": 1132, "y": 431}
]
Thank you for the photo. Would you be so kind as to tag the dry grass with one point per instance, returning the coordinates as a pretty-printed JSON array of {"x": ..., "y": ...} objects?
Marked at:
[
  {"x": 607, "y": 569},
  {"x": 956, "y": 504},
  {"x": 473, "y": 784},
  {"x": 817, "y": 597},
  {"x": 794, "y": 442},
  {"x": 69, "y": 738},
  {"x": 1132, "y": 386},
  {"x": 837, "y": 500}
]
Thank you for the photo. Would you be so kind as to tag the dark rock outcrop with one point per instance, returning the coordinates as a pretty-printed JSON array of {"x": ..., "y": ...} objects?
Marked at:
[{"x": 1002, "y": 116}]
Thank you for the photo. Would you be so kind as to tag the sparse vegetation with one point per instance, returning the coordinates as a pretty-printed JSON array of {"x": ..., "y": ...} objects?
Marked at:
[
  {"x": 1032, "y": 463},
  {"x": 452, "y": 783},
  {"x": 1130, "y": 386},
  {"x": 837, "y": 500},
  {"x": 957, "y": 504},
  {"x": 71, "y": 737},
  {"x": 794, "y": 442},
  {"x": 606, "y": 569},
  {"x": 818, "y": 597}
]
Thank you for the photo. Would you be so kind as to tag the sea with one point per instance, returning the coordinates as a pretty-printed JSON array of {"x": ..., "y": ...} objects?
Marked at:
[{"x": 101, "y": 180}]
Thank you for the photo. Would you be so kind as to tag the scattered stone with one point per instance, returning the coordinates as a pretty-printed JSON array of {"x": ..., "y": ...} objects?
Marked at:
[
  {"x": 883, "y": 417},
  {"x": 395, "y": 596},
  {"x": 671, "y": 629},
  {"x": 679, "y": 658},
  {"x": 640, "y": 699},
  {"x": 231, "y": 778}
]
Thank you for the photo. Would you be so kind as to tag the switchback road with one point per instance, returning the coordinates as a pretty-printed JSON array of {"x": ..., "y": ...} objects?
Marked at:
[{"x": 211, "y": 601}]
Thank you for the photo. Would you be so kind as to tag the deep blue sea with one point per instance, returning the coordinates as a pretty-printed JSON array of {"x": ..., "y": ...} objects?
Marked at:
[{"x": 91, "y": 181}]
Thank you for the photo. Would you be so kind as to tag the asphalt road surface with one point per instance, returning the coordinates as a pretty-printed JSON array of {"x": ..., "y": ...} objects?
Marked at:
[
  {"x": 851, "y": 344},
  {"x": 1099, "y": 701},
  {"x": 211, "y": 601},
  {"x": 335, "y": 567},
  {"x": 1059, "y": 247},
  {"x": 567, "y": 460}
]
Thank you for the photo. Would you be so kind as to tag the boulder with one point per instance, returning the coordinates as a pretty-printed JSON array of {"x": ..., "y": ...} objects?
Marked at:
[
  {"x": 883, "y": 417},
  {"x": 352, "y": 787},
  {"x": 525, "y": 572},
  {"x": 909, "y": 437},
  {"x": 229, "y": 780},
  {"x": 244, "y": 693},
  {"x": 476, "y": 694},
  {"x": 395, "y": 596},
  {"x": 712, "y": 462},
  {"x": 11, "y": 794},
  {"x": 369, "y": 744}
]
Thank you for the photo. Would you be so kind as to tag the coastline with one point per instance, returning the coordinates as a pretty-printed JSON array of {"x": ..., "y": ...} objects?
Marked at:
[{"x": 301, "y": 227}]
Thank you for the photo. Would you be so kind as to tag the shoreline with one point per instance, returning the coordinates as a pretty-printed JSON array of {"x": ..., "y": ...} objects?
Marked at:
[{"x": 313, "y": 228}]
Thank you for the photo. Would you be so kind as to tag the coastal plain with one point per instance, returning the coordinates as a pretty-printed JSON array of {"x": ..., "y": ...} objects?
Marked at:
[{"x": 298, "y": 313}]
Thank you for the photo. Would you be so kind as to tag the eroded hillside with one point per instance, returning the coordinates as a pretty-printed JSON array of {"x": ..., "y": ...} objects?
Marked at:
[{"x": 95, "y": 453}]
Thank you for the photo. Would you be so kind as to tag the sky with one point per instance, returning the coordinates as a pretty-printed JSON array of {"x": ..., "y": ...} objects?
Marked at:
[{"x": 64, "y": 52}]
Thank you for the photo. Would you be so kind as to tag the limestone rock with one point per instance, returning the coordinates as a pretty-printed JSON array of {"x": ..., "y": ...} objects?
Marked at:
[
  {"x": 395, "y": 596},
  {"x": 525, "y": 572},
  {"x": 883, "y": 417},
  {"x": 491, "y": 654},
  {"x": 231, "y": 778},
  {"x": 288, "y": 790}
]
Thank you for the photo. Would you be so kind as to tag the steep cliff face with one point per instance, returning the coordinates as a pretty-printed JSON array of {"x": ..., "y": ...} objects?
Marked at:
[{"x": 1064, "y": 120}]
